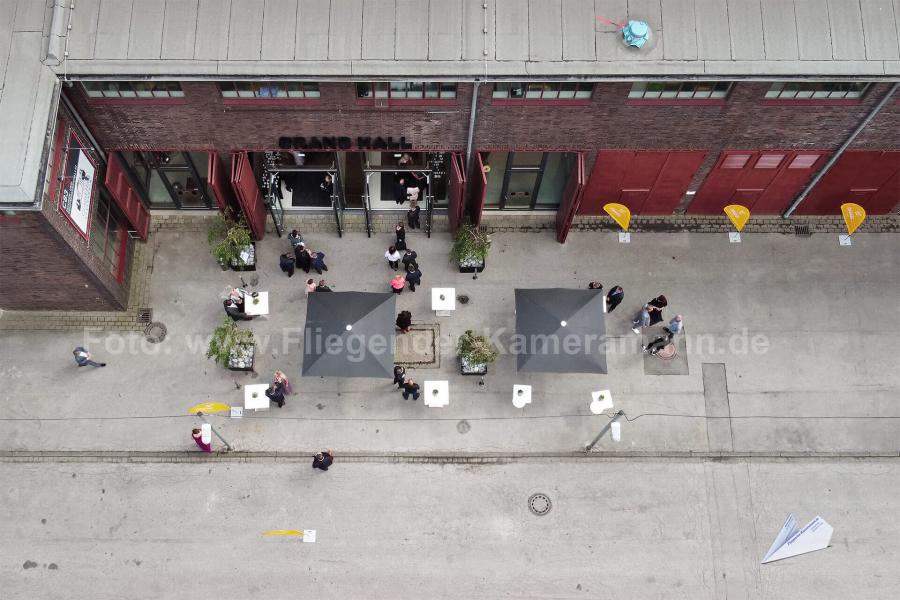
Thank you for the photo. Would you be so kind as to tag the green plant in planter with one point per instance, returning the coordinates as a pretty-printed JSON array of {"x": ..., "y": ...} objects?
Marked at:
[
  {"x": 228, "y": 237},
  {"x": 476, "y": 349},
  {"x": 470, "y": 246},
  {"x": 227, "y": 338}
]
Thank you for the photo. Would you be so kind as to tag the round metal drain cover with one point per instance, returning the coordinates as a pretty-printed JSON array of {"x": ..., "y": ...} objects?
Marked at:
[
  {"x": 155, "y": 332},
  {"x": 539, "y": 504},
  {"x": 463, "y": 299}
]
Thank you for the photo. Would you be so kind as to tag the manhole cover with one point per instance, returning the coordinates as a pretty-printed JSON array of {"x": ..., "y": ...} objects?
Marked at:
[
  {"x": 463, "y": 299},
  {"x": 539, "y": 504},
  {"x": 667, "y": 353},
  {"x": 155, "y": 332}
]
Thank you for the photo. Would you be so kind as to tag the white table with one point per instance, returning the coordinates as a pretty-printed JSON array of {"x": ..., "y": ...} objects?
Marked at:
[
  {"x": 260, "y": 308},
  {"x": 437, "y": 393},
  {"x": 443, "y": 301},
  {"x": 598, "y": 404},
  {"x": 521, "y": 395},
  {"x": 261, "y": 400}
]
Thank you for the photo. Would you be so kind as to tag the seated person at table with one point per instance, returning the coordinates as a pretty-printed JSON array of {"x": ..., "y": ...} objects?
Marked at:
[{"x": 235, "y": 311}]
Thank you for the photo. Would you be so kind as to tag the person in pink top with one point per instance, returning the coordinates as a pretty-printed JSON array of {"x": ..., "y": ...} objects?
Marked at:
[
  {"x": 398, "y": 283},
  {"x": 198, "y": 437}
]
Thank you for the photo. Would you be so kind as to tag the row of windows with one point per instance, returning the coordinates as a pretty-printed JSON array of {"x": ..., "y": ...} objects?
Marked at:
[{"x": 432, "y": 90}]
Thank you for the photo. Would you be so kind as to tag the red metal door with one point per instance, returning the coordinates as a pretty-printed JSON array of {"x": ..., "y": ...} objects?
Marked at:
[
  {"x": 248, "y": 195},
  {"x": 456, "y": 203},
  {"x": 221, "y": 187},
  {"x": 871, "y": 178},
  {"x": 648, "y": 182},
  {"x": 571, "y": 199},
  {"x": 774, "y": 176},
  {"x": 126, "y": 198},
  {"x": 479, "y": 189}
]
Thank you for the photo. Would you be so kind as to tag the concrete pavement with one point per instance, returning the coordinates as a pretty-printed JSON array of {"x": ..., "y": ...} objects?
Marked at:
[
  {"x": 801, "y": 325},
  {"x": 617, "y": 529}
]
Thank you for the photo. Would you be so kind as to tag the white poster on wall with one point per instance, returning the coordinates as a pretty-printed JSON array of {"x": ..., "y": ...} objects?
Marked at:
[{"x": 78, "y": 187}]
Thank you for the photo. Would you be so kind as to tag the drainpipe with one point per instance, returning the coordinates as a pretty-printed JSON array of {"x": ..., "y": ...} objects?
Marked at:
[
  {"x": 840, "y": 151},
  {"x": 471, "y": 138}
]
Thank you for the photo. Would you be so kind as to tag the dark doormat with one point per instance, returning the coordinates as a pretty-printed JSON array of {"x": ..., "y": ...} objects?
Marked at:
[
  {"x": 677, "y": 365},
  {"x": 420, "y": 348}
]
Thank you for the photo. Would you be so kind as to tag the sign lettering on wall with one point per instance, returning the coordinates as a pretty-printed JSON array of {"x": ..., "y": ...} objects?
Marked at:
[
  {"x": 343, "y": 142},
  {"x": 77, "y": 186}
]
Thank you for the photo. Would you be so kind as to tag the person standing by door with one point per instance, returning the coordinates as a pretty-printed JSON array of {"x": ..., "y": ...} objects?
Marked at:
[
  {"x": 412, "y": 215},
  {"x": 400, "y": 231},
  {"x": 295, "y": 239},
  {"x": 393, "y": 257},
  {"x": 327, "y": 187},
  {"x": 400, "y": 190}
]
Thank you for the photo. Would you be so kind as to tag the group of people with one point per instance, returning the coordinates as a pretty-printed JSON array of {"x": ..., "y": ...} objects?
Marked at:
[
  {"x": 407, "y": 384},
  {"x": 400, "y": 253},
  {"x": 649, "y": 315},
  {"x": 303, "y": 257}
]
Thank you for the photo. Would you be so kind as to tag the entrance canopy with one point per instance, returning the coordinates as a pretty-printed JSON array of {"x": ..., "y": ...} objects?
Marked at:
[
  {"x": 349, "y": 334},
  {"x": 560, "y": 331}
]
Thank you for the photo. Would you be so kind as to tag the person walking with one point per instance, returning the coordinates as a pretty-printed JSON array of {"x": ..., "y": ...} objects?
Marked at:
[
  {"x": 662, "y": 341},
  {"x": 318, "y": 261},
  {"x": 404, "y": 321},
  {"x": 409, "y": 258},
  {"x": 322, "y": 287},
  {"x": 641, "y": 320},
  {"x": 310, "y": 286},
  {"x": 304, "y": 261},
  {"x": 84, "y": 358},
  {"x": 198, "y": 438},
  {"x": 412, "y": 215},
  {"x": 400, "y": 232},
  {"x": 656, "y": 307},
  {"x": 614, "y": 298},
  {"x": 398, "y": 283},
  {"x": 323, "y": 460},
  {"x": 286, "y": 262},
  {"x": 410, "y": 387},
  {"x": 295, "y": 239},
  {"x": 595, "y": 285},
  {"x": 399, "y": 375},
  {"x": 413, "y": 276},
  {"x": 400, "y": 191},
  {"x": 393, "y": 257},
  {"x": 275, "y": 392},
  {"x": 281, "y": 377}
]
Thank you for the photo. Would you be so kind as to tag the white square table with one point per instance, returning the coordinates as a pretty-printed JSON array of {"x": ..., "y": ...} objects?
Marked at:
[
  {"x": 437, "y": 393},
  {"x": 261, "y": 400},
  {"x": 443, "y": 301},
  {"x": 598, "y": 404},
  {"x": 260, "y": 308},
  {"x": 521, "y": 395}
]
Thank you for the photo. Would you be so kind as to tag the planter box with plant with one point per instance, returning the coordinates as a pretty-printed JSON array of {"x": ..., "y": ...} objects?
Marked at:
[
  {"x": 470, "y": 248},
  {"x": 229, "y": 238},
  {"x": 232, "y": 347},
  {"x": 475, "y": 353}
]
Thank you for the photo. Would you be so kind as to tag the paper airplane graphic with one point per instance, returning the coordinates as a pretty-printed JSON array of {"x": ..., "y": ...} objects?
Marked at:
[{"x": 791, "y": 542}]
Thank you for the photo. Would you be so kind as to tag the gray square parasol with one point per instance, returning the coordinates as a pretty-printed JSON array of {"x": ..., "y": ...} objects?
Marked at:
[
  {"x": 560, "y": 331},
  {"x": 349, "y": 334}
]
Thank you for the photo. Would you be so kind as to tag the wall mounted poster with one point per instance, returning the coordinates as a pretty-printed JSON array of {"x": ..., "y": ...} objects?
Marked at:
[{"x": 77, "y": 186}]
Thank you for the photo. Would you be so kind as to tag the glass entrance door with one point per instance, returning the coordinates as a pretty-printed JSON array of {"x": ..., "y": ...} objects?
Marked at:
[
  {"x": 526, "y": 180},
  {"x": 166, "y": 179}
]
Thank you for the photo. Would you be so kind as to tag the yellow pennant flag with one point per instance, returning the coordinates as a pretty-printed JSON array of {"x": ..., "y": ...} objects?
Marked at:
[
  {"x": 282, "y": 532},
  {"x": 854, "y": 215},
  {"x": 619, "y": 213},
  {"x": 209, "y": 407},
  {"x": 738, "y": 214}
]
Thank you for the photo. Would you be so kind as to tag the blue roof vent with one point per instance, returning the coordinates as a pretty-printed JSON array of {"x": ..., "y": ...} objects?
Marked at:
[{"x": 636, "y": 33}]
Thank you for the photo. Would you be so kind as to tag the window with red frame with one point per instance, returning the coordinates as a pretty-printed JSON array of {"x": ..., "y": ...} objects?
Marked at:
[
  {"x": 543, "y": 90},
  {"x": 816, "y": 90},
  {"x": 132, "y": 89},
  {"x": 109, "y": 237},
  {"x": 679, "y": 90},
  {"x": 407, "y": 90}
]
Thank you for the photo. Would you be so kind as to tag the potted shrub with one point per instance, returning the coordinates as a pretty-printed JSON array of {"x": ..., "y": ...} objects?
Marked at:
[
  {"x": 475, "y": 353},
  {"x": 231, "y": 243},
  {"x": 233, "y": 347},
  {"x": 470, "y": 248}
]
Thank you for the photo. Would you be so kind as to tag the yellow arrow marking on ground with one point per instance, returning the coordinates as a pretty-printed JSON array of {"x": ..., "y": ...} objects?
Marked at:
[
  {"x": 282, "y": 532},
  {"x": 854, "y": 215},
  {"x": 209, "y": 407},
  {"x": 738, "y": 214},
  {"x": 619, "y": 213}
]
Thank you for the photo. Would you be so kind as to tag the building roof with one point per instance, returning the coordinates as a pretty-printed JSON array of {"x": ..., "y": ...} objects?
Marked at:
[{"x": 508, "y": 38}]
